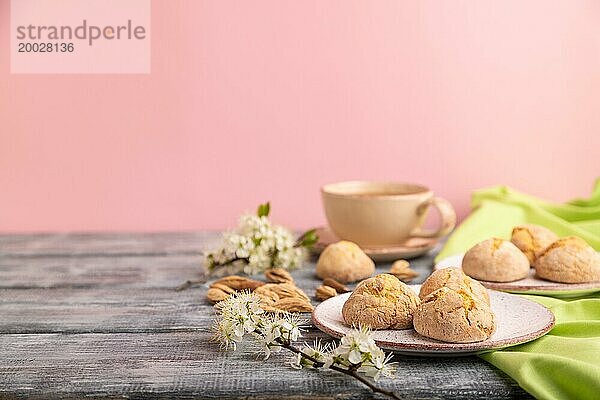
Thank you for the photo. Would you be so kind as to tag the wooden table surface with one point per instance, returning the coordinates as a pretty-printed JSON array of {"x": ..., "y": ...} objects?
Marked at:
[{"x": 96, "y": 315}]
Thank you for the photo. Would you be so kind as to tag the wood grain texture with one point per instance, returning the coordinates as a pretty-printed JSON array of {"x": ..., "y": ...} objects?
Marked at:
[
  {"x": 70, "y": 307},
  {"x": 186, "y": 364},
  {"x": 131, "y": 272},
  {"x": 114, "y": 244},
  {"x": 135, "y": 272},
  {"x": 103, "y": 311},
  {"x": 97, "y": 316}
]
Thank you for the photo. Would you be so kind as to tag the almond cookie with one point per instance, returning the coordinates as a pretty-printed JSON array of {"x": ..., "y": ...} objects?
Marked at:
[
  {"x": 532, "y": 240},
  {"x": 345, "y": 262},
  {"x": 495, "y": 260},
  {"x": 455, "y": 279},
  {"x": 381, "y": 302},
  {"x": 454, "y": 316},
  {"x": 569, "y": 260}
]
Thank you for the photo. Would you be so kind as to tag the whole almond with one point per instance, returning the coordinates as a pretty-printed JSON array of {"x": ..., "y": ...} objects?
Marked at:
[
  {"x": 239, "y": 282},
  {"x": 214, "y": 295},
  {"x": 224, "y": 288},
  {"x": 293, "y": 305},
  {"x": 278, "y": 275},
  {"x": 400, "y": 264},
  {"x": 401, "y": 270},
  {"x": 406, "y": 276},
  {"x": 339, "y": 287},
  {"x": 325, "y": 292},
  {"x": 267, "y": 297},
  {"x": 283, "y": 290}
]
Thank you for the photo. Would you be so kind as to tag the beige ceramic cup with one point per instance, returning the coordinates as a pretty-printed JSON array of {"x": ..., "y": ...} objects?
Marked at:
[{"x": 383, "y": 213}]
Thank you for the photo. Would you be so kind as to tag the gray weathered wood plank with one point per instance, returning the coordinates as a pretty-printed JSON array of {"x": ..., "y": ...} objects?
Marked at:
[
  {"x": 82, "y": 244},
  {"x": 91, "y": 296},
  {"x": 95, "y": 315},
  {"x": 133, "y": 271},
  {"x": 102, "y": 310},
  {"x": 118, "y": 308},
  {"x": 187, "y": 365},
  {"x": 99, "y": 271}
]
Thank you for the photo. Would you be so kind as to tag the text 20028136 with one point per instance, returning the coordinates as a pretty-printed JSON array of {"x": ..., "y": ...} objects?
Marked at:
[{"x": 27, "y": 47}]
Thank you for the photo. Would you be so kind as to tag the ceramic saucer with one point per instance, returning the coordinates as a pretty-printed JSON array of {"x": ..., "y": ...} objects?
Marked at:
[{"x": 412, "y": 248}]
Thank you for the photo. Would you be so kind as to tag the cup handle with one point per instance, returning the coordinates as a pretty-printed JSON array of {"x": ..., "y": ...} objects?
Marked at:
[{"x": 447, "y": 214}]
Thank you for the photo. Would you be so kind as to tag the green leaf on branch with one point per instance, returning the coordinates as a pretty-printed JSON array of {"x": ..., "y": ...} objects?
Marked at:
[
  {"x": 264, "y": 209},
  {"x": 308, "y": 238}
]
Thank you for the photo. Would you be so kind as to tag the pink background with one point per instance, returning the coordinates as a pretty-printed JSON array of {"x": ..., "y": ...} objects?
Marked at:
[{"x": 267, "y": 100}]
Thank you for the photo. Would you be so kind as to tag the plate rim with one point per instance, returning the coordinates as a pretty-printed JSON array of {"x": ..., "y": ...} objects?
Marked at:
[
  {"x": 515, "y": 287},
  {"x": 449, "y": 348}
]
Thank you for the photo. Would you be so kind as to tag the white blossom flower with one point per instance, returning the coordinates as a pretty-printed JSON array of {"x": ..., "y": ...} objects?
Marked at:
[
  {"x": 357, "y": 348},
  {"x": 257, "y": 245},
  {"x": 278, "y": 329},
  {"x": 318, "y": 351},
  {"x": 241, "y": 314},
  {"x": 238, "y": 315},
  {"x": 271, "y": 333}
]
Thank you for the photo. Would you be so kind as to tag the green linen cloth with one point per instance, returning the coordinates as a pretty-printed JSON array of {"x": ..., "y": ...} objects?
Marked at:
[
  {"x": 565, "y": 363},
  {"x": 498, "y": 209}
]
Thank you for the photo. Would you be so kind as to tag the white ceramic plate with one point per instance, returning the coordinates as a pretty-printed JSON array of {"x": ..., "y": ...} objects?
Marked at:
[
  {"x": 518, "y": 320},
  {"x": 410, "y": 249},
  {"x": 530, "y": 285}
]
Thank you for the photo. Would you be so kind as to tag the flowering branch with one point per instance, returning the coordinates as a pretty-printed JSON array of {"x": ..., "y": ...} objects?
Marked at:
[
  {"x": 257, "y": 245},
  {"x": 357, "y": 352},
  {"x": 351, "y": 371}
]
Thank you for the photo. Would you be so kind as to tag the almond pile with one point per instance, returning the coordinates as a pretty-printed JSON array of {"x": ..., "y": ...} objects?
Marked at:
[{"x": 280, "y": 294}]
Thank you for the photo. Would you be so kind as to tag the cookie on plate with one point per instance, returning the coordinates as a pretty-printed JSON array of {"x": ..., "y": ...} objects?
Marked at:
[
  {"x": 381, "y": 302},
  {"x": 454, "y": 316},
  {"x": 569, "y": 260},
  {"x": 453, "y": 278},
  {"x": 345, "y": 262},
  {"x": 495, "y": 260},
  {"x": 532, "y": 240}
]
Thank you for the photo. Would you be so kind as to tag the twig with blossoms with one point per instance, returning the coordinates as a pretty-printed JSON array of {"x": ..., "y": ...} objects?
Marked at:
[
  {"x": 240, "y": 316},
  {"x": 255, "y": 246}
]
